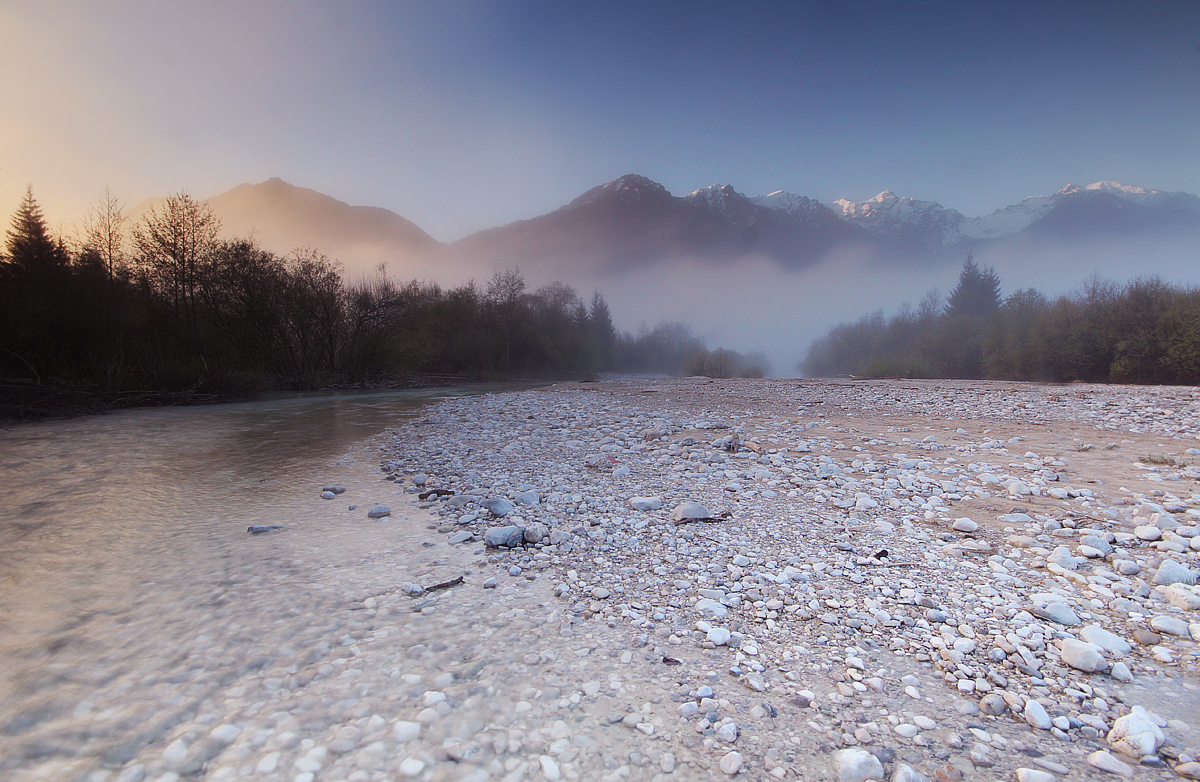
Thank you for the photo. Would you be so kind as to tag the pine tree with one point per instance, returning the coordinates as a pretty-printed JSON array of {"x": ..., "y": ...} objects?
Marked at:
[
  {"x": 977, "y": 293},
  {"x": 604, "y": 335},
  {"x": 31, "y": 252}
]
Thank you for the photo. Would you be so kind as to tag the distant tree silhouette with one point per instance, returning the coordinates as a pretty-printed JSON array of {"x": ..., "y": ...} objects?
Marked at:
[
  {"x": 977, "y": 294},
  {"x": 30, "y": 251},
  {"x": 600, "y": 325},
  {"x": 174, "y": 243}
]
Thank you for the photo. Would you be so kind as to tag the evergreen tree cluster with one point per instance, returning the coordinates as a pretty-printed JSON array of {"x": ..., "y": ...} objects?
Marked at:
[
  {"x": 167, "y": 306},
  {"x": 1146, "y": 331}
]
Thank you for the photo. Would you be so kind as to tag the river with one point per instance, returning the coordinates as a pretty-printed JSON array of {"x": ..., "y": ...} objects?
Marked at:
[{"x": 126, "y": 568}]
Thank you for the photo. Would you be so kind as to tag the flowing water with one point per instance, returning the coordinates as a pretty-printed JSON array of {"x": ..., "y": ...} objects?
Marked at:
[{"x": 126, "y": 570}]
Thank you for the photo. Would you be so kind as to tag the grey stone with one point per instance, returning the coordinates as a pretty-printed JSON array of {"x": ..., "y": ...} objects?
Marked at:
[
  {"x": 1082, "y": 656},
  {"x": 1105, "y": 761},
  {"x": 856, "y": 765},
  {"x": 711, "y": 608},
  {"x": 964, "y": 525},
  {"x": 906, "y": 773},
  {"x": 529, "y": 497},
  {"x": 1057, "y": 612},
  {"x": 1035, "y": 715},
  {"x": 511, "y": 536},
  {"x": 1171, "y": 572},
  {"x": 1135, "y": 735},
  {"x": 1109, "y": 642},
  {"x": 535, "y": 531},
  {"x": 379, "y": 512},
  {"x": 690, "y": 510},
  {"x": 1170, "y": 625},
  {"x": 499, "y": 506},
  {"x": 645, "y": 503}
]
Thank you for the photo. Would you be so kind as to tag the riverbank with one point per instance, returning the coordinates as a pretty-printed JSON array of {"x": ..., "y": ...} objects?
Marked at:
[
  {"x": 948, "y": 579},
  {"x": 30, "y": 402},
  {"x": 774, "y": 639}
]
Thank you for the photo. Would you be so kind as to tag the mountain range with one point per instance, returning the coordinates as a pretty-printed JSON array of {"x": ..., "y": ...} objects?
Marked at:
[{"x": 634, "y": 222}]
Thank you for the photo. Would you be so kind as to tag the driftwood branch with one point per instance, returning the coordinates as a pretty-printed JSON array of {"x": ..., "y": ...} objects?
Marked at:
[
  {"x": 722, "y": 516},
  {"x": 444, "y": 584}
]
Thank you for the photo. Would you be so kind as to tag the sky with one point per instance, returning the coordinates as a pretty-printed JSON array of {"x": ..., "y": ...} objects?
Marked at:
[{"x": 463, "y": 115}]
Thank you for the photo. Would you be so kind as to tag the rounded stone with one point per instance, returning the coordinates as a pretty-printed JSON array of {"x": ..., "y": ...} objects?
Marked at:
[
  {"x": 965, "y": 525},
  {"x": 731, "y": 763}
]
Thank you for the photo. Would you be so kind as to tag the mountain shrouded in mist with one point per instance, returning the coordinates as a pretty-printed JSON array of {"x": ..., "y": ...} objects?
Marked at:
[
  {"x": 633, "y": 222},
  {"x": 283, "y": 217}
]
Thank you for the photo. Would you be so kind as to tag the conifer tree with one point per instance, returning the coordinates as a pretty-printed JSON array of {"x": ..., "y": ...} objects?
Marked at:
[
  {"x": 977, "y": 293},
  {"x": 30, "y": 250}
]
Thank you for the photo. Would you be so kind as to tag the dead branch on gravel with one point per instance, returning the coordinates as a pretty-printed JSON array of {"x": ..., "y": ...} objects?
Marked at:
[
  {"x": 722, "y": 516},
  {"x": 444, "y": 584}
]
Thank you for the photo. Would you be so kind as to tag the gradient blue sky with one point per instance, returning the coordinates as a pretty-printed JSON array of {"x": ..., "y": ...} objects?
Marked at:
[{"x": 464, "y": 115}]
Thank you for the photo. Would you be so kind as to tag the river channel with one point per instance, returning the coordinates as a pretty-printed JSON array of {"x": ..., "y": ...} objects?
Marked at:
[{"x": 130, "y": 590}]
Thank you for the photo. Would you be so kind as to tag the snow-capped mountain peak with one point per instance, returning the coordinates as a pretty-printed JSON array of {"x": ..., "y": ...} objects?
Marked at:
[{"x": 630, "y": 188}]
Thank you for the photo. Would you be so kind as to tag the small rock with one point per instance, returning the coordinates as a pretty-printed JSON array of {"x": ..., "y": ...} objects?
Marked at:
[
  {"x": 550, "y": 768},
  {"x": 1189, "y": 770},
  {"x": 965, "y": 525},
  {"x": 1057, "y": 612},
  {"x": 528, "y": 497},
  {"x": 645, "y": 503},
  {"x": 1082, "y": 656},
  {"x": 1181, "y": 596},
  {"x": 1171, "y": 625},
  {"x": 1171, "y": 572},
  {"x": 1135, "y": 735},
  {"x": 1035, "y": 715},
  {"x": 535, "y": 532},
  {"x": 856, "y": 765},
  {"x": 1109, "y": 642},
  {"x": 379, "y": 512},
  {"x": 498, "y": 506},
  {"x": 690, "y": 510},
  {"x": 511, "y": 536},
  {"x": 1104, "y": 761},
  {"x": 906, "y": 773},
  {"x": 1034, "y": 775},
  {"x": 719, "y": 636},
  {"x": 731, "y": 763}
]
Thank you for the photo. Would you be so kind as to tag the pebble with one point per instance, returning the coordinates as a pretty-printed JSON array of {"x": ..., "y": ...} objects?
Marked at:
[
  {"x": 1034, "y": 775},
  {"x": 856, "y": 765},
  {"x": 1104, "y": 761},
  {"x": 1036, "y": 716},
  {"x": 731, "y": 763}
]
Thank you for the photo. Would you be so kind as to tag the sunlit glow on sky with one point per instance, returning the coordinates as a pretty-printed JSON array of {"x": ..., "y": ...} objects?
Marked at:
[{"x": 464, "y": 115}]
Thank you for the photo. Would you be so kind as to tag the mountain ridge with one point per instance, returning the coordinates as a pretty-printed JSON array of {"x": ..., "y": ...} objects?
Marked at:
[{"x": 633, "y": 220}]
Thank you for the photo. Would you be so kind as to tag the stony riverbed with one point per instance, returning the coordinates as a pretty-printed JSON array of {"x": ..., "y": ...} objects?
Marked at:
[{"x": 691, "y": 579}]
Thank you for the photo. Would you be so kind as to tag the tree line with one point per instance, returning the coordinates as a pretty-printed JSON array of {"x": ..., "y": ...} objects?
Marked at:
[
  {"x": 1145, "y": 331},
  {"x": 166, "y": 305}
]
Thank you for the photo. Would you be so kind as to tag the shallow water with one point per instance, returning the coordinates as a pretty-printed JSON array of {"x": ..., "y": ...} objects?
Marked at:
[{"x": 124, "y": 554}]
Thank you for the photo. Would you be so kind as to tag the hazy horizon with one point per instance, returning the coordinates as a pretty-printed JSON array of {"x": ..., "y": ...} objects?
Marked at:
[{"x": 461, "y": 116}]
